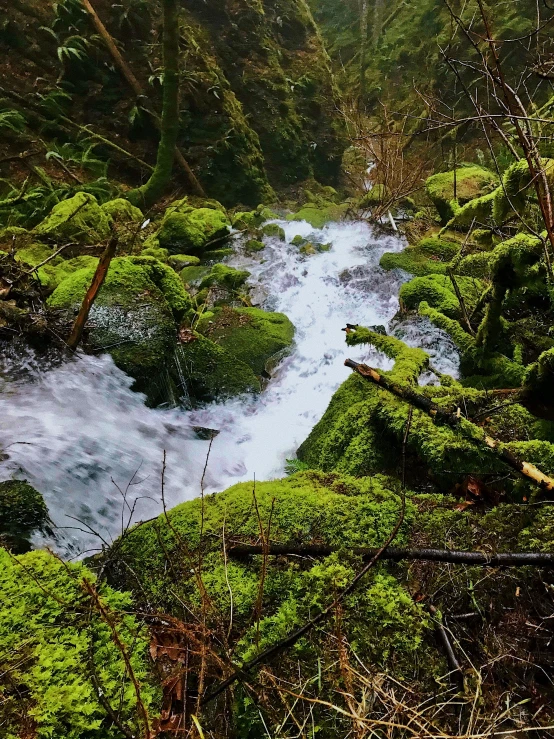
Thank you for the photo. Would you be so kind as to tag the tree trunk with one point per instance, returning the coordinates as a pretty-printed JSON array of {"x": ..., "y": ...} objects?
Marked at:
[
  {"x": 145, "y": 196},
  {"x": 363, "y": 49}
]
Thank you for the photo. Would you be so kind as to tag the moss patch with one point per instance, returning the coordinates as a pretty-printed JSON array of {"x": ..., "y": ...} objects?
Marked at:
[
  {"x": 250, "y": 334},
  {"x": 79, "y": 218},
  {"x": 471, "y": 182}
]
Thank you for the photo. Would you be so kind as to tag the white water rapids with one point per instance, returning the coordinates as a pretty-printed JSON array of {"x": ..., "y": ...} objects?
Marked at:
[{"x": 80, "y": 435}]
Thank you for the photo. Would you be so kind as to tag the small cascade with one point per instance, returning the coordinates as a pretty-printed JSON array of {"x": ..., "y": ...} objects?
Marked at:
[{"x": 78, "y": 433}]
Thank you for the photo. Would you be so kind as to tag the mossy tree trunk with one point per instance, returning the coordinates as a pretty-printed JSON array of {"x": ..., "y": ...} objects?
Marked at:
[
  {"x": 364, "y": 9},
  {"x": 144, "y": 197}
]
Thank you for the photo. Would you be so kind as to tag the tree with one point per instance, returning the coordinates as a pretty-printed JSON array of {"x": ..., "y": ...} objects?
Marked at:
[{"x": 146, "y": 195}]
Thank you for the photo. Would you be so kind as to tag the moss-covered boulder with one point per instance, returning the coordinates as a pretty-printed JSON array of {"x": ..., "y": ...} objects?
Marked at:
[
  {"x": 431, "y": 255},
  {"x": 52, "y": 273},
  {"x": 209, "y": 371},
  {"x": 308, "y": 507},
  {"x": 273, "y": 230},
  {"x": 438, "y": 292},
  {"x": 22, "y": 511},
  {"x": 472, "y": 182},
  {"x": 64, "y": 663},
  {"x": 134, "y": 316},
  {"x": 180, "y": 261},
  {"x": 250, "y": 334},
  {"x": 226, "y": 277},
  {"x": 252, "y": 219},
  {"x": 186, "y": 228},
  {"x": 319, "y": 215},
  {"x": 79, "y": 219}
]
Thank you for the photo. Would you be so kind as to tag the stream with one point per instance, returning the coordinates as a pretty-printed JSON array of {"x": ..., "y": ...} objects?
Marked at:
[{"x": 79, "y": 434}]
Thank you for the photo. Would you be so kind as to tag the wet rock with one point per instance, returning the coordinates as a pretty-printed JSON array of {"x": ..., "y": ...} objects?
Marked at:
[
  {"x": 252, "y": 335},
  {"x": 79, "y": 218},
  {"x": 22, "y": 511}
]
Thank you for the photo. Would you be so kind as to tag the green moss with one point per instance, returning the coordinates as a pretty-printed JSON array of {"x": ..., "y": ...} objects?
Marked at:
[
  {"x": 476, "y": 265},
  {"x": 133, "y": 315},
  {"x": 50, "y": 632},
  {"x": 375, "y": 196},
  {"x": 211, "y": 372},
  {"x": 253, "y": 219},
  {"x": 298, "y": 241},
  {"x": 35, "y": 253},
  {"x": 409, "y": 362},
  {"x": 273, "y": 230},
  {"x": 79, "y": 218},
  {"x": 180, "y": 261},
  {"x": 539, "y": 378},
  {"x": 477, "y": 212},
  {"x": 193, "y": 276},
  {"x": 224, "y": 276},
  {"x": 186, "y": 228},
  {"x": 254, "y": 245},
  {"x": 121, "y": 211},
  {"x": 471, "y": 182},
  {"x": 438, "y": 292},
  {"x": 251, "y": 335},
  {"x": 319, "y": 215},
  {"x": 429, "y": 256}
]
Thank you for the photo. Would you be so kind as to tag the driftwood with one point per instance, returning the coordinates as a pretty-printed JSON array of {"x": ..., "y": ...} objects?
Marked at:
[
  {"x": 92, "y": 292},
  {"x": 134, "y": 84},
  {"x": 483, "y": 559},
  {"x": 528, "y": 470}
]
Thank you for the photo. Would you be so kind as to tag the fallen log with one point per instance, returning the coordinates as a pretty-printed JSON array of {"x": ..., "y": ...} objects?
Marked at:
[
  {"x": 471, "y": 432},
  {"x": 397, "y": 554}
]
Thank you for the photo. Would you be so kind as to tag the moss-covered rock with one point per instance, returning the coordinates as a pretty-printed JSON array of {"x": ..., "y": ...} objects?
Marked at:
[
  {"x": 252, "y": 219},
  {"x": 471, "y": 182},
  {"x": 51, "y": 635},
  {"x": 273, "y": 230},
  {"x": 57, "y": 269},
  {"x": 187, "y": 229},
  {"x": 431, "y": 255},
  {"x": 121, "y": 211},
  {"x": 22, "y": 511},
  {"x": 438, "y": 292},
  {"x": 318, "y": 215},
  {"x": 79, "y": 218},
  {"x": 307, "y": 507},
  {"x": 211, "y": 372},
  {"x": 226, "y": 277},
  {"x": 134, "y": 314},
  {"x": 254, "y": 245},
  {"x": 192, "y": 276},
  {"x": 180, "y": 261},
  {"x": 250, "y": 334}
]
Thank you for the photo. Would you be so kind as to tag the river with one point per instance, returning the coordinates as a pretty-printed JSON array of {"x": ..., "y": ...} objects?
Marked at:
[{"x": 79, "y": 434}]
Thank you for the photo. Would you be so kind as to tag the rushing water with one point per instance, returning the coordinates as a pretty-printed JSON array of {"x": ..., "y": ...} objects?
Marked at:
[{"x": 80, "y": 435}]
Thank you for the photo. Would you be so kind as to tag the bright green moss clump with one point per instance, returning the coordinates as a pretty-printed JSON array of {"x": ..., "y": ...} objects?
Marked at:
[
  {"x": 304, "y": 508},
  {"x": 319, "y": 215},
  {"x": 79, "y": 218},
  {"x": 250, "y": 334},
  {"x": 134, "y": 315},
  {"x": 471, "y": 182},
  {"x": 53, "y": 639},
  {"x": 224, "y": 276},
  {"x": 189, "y": 229},
  {"x": 438, "y": 292},
  {"x": 431, "y": 255}
]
